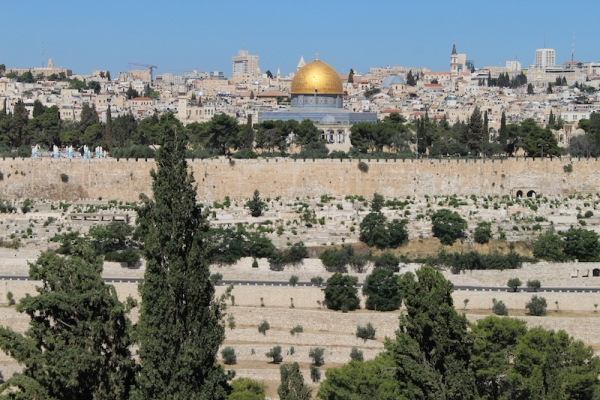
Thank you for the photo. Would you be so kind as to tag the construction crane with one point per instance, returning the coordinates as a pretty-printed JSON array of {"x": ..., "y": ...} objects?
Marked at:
[{"x": 151, "y": 67}]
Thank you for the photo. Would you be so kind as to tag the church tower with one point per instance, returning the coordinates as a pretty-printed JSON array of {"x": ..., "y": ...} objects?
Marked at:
[{"x": 454, "y": 63}]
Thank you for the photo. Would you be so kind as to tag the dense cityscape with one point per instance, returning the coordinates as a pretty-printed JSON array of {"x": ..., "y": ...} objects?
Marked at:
[{"x": 397, "y": 233}]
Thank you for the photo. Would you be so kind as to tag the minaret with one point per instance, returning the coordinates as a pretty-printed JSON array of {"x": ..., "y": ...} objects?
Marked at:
[
  {"x": 301, "y": 63},
  {"x": 454, "y": 63}
]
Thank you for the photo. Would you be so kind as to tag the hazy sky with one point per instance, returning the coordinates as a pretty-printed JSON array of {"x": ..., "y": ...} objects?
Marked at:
[{"x": 183, "y": 35}]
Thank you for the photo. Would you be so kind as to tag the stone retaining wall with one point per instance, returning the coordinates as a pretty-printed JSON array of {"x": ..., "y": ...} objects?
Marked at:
[{"x": 289, "y": 178}]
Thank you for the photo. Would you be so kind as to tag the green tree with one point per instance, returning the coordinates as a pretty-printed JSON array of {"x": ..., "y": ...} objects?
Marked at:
[
  {"x": 292, "y": 385},
  {"x": 377, "y": 203},
  {"x": 341, "y": 292},
  {"x": 382, "y": 291},
  {"x": 45, "y": 128},
  {"x": 475, "y": 132},
  {"x": 537, "y": 306},
  {"x": 317, "y": 354},
  {"x": 38, "y": 108},
  {"x": 88, "y": 117},
  {"x": 534, "y": 284},
  {"x": 529, "y": 88},
  {"x": 17, "y": 125},
  {"x": 581, "y": 244},
  {"x": 447, "y": 226},
  {"x": 514, "y": 283},
  {"x": 228, "y": 354},
  {"x": 359, "y": 380},
  {"x": 356, "y": 355},
  {"x": 494, "y": 344},
  {"x": 432, "y": 349},
  {"x": 247, "y": 132},
  {"x": 78, "y": 343},
  {"x": 366, "y": 332},
  {"x": 549, "y": 247},
  {"x": 223, "y": 133},
  {"x": 351, "y": 76},
  {"x": 552, "y": 365},
  {"x": 256, "y": 205},
  {"x": 108, "y": 140},
  {"x": 539, "y": 142},
  {"x": 483, "y": 232},
  {"x": 410, "y": 79},
  {"x": 181, "y": 323},
  {"x": 246, "y": 389},
  {"x": 307, "y": 133}
]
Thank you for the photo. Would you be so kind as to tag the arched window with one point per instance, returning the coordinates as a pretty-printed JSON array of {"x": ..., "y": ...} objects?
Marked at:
[
  {"x": 519, "y": 193},
  {"x": 596, "y": 272},
  {"x": 531, "y": 193}
]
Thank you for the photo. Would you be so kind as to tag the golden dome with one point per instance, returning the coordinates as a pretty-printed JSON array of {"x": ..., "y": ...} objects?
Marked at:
[{"x": 319, "y": 76}]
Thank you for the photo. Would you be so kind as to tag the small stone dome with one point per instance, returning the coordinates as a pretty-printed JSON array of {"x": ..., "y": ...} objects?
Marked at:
[{"x": 392, "y": 80}]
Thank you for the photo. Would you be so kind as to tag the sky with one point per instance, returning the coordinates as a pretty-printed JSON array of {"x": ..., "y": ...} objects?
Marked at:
[{"x": 180, "y": 36}]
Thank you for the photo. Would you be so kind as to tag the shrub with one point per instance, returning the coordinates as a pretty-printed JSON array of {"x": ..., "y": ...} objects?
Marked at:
[
  {"x": 24, "y": 151},
  {"x": 363, "y": 166},
  {"x": 293, "y": 280},
  {"x": 228, "y": 354},
  {"x": 315, "y": 374},
  {"x": 381, "y": 290},
  {"x": 135, "y": 151},
  {"x": 317, "y": 355},
  {"x": 246, "y": 389},
  {"x": 588, "y": 214},
  {"x": 317, "y": 280},
  {"x": 264, "y": 327},
  {"x": 231, "y": 322},
  {"x": 365, "y": 332},
  {"x": 387, "y": 260},
  {"x": 341, "y": 292},
  {"x": 534, "y": 284},
  {"x": 337, "y": 260},
  {"x": 292, "y": 255},
  {"x": 537, "y": 306},
  {"x": 296, "y": 329},
  {"x": 499, "y": 308},
  {"x": 447, "y": 226},
  {"x": 356, "y": 355},
  {"x": 483, "y": 232},
  {"x": 568, "y": 168},
  {"x": 10, "y": 298},
  {"x": 514, "y": 283},
  {"x": 275, "y": 354}
]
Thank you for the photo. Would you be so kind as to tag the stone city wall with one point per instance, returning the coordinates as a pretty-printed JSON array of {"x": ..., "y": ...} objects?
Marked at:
[{"x": 288, "y": 178}]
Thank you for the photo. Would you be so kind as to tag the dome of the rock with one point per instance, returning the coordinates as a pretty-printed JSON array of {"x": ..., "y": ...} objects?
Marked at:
[{"x": 317, "y": 77}]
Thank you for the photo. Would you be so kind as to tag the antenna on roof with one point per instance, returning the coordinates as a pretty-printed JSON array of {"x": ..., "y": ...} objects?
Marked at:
[
  {"x": 42, "y": 54},
  {"x": 573, "y": 49}
]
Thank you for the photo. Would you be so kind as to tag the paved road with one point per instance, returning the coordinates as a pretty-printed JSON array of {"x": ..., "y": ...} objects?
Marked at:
[{"x": 286, "y": 283}]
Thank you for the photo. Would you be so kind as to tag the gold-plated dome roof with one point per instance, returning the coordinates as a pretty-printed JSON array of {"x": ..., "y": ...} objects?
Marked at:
[{"x": 319, "y": 76}]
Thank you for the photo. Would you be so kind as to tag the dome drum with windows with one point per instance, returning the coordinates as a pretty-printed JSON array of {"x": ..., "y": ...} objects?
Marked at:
[{"x": 317, "y": 85}]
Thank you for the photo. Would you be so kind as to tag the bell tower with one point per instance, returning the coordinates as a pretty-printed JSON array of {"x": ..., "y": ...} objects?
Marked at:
[{"x": 454, "y": 63}]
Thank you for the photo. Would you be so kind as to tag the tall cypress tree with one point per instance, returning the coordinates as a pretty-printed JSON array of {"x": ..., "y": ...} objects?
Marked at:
[
  {"x": 503, "y": 132},
  {"x": 248, "y": 134},
  {"x": 108, "y": 130},
  {"x": 431, "y": 353},
  {"x": 475, "y": 131},
  {"x": 180, "y": 327},
  {"x": 486, "y": 129}
]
